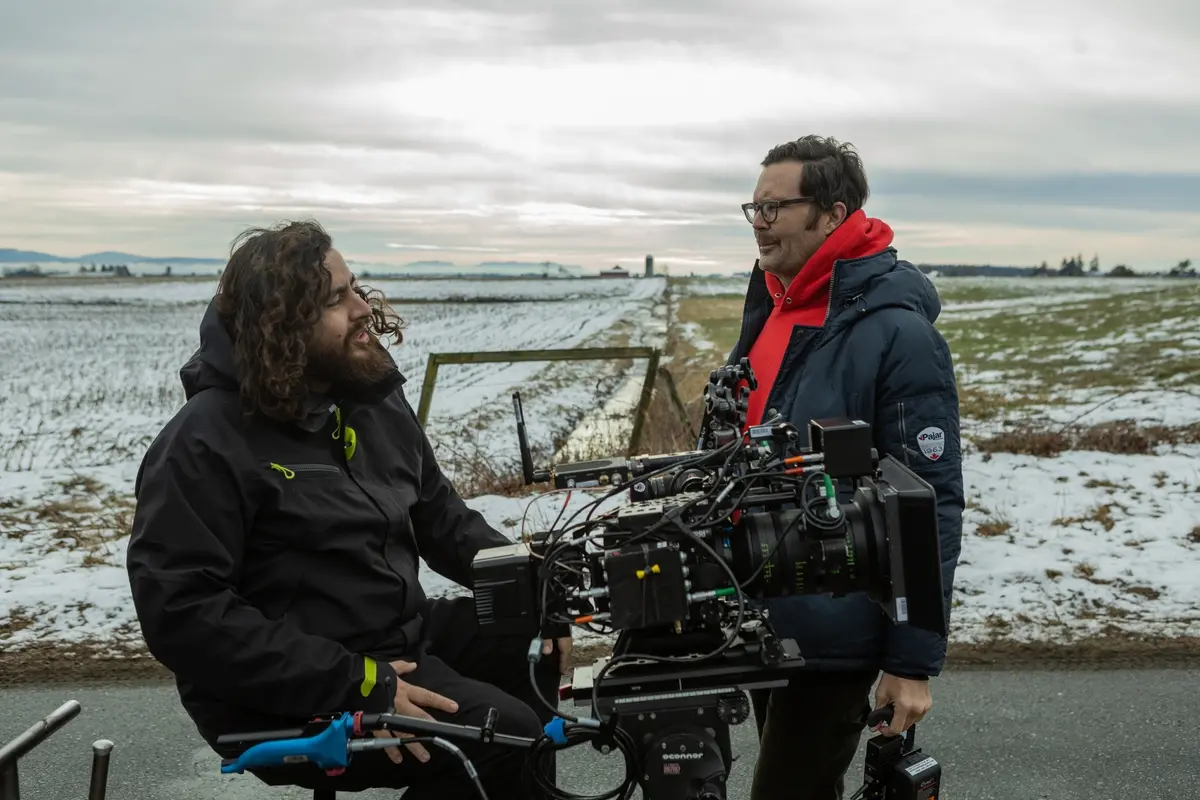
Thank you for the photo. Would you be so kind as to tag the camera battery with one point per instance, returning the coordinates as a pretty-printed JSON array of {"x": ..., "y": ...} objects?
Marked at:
[{"x": 646, "y": 587}]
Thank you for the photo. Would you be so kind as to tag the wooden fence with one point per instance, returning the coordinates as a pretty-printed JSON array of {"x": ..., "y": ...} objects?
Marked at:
[{"x": 577, "y": 354}]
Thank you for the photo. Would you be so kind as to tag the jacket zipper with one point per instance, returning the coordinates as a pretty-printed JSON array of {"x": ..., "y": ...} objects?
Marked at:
[
  {"x": 832, "y": 286},
  {"x": 289, "y": 471},
  {"x": 904, "y": 435},
  {"x": 387, "y": 526}
]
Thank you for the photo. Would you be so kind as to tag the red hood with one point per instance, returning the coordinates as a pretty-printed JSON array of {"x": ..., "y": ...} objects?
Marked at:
[{"x": 858, "y": 236}]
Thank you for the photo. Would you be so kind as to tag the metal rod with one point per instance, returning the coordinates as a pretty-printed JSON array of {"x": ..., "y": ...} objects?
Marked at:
[
  {"x": 37, "y": 733},
  {"x": 403, "y": 724},
  {"x": 101, "y": 750},
  {"x": 555, "y": 354}
]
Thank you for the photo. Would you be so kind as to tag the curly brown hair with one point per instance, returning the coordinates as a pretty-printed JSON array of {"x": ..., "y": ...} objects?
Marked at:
[{"x": 270, "y": 298}]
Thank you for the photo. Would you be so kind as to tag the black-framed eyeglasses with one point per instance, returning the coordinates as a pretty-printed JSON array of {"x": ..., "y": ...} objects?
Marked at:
[{"x": 770, "y": 208}]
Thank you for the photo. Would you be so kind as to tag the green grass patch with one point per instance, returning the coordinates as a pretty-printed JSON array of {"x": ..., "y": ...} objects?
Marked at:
[
  {"x": 1041, "y": 354},
  {"x": 1017, "y": 358}
]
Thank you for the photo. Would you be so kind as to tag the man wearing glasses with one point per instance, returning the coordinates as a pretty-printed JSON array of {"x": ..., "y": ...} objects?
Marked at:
[{"x": 835, "y": 324}]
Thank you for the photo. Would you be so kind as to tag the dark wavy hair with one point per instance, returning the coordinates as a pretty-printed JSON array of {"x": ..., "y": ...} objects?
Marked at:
[
  {"x": 832, "y": 173},
  {"x": 270, "y": 298}
]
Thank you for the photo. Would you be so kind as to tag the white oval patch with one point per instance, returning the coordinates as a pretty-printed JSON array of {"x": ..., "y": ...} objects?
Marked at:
[{"x": 932, "y": 442}]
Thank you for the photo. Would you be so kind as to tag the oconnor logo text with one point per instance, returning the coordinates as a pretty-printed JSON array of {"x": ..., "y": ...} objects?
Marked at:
[{"x": 682, "y": 756}]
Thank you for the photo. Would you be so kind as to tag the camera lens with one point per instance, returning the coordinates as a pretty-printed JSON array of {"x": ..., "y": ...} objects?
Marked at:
[{"x": 787, "y": 557}]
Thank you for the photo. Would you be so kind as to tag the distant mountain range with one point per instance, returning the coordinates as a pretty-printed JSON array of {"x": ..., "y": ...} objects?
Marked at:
[
  {"x": 9, "y": 256},
  {"x": 432, "y": 268}
]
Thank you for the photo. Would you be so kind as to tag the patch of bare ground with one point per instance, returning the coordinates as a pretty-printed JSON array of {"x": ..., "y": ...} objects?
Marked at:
[
  {"x": 1119, "y": 436},
  {"x": 90, "y": 663},
  {"x": 77, "y": 514}
]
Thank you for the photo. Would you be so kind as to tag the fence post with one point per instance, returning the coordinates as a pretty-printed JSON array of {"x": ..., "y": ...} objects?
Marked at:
[
  {"x": 639, "y": 417},
  {"x": 431, "y": 369}
]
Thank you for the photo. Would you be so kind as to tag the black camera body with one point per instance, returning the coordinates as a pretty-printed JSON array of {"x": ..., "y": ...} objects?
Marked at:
[{"x": 680, "y": 571}]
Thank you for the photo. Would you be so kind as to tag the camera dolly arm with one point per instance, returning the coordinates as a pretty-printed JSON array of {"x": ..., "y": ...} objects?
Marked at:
[{"x": 349, "y": 733}]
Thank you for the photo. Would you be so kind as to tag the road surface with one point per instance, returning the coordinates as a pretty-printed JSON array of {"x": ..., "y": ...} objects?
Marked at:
[{"x": 1007, "y": 734}]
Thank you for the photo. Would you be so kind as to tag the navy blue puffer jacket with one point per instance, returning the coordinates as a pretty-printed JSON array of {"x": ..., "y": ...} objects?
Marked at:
[{"x": 878, "y": 358}]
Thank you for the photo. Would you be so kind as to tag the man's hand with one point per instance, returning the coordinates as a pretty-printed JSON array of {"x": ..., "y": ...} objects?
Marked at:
[
  {"x": 564, "y": 652},
  {"x": 408, "y": 701},
  {"x": 910, "y": 701}
]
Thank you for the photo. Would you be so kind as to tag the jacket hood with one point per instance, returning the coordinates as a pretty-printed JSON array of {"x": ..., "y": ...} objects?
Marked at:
[
  {"x": 212, "y": 366},
  {"x": 867, "y": 284},
  {"x": 884, "y": 281}
]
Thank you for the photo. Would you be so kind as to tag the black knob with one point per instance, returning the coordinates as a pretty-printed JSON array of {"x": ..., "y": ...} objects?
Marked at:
[{"x": 489, "y": 725}]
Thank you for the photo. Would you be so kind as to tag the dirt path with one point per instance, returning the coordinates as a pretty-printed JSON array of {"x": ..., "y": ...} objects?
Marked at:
[{"x": 41, "y": 665}]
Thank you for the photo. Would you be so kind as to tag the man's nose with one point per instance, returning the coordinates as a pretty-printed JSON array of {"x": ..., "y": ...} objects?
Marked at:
[{"x": 759, "y": 223}]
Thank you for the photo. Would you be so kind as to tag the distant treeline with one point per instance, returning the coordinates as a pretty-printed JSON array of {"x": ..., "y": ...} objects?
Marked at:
[{"x": 1072, "y": 267}]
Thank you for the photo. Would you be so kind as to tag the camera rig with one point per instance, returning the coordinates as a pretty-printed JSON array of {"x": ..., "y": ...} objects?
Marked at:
[{"x": 680, "y": 573}]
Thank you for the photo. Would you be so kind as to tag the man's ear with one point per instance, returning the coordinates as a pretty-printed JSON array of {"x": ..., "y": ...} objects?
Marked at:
[{"x": 837, "y": 215}]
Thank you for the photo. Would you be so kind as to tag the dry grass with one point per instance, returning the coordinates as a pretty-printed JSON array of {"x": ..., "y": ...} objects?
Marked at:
[
  {"x": 74, "y": 514},
  {"x": 1119, "y": 436},
  {"x": 17, "y": 620},
  {"x": 993, "y": 527},
  {"x": 1101, "y": 514},
  {"x": 1081, "y": 343}
]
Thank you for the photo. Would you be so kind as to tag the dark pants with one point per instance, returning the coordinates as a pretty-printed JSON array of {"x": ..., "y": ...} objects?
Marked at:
[
  {"x": 477, "y": 672},
  {"x": 808, "y": 734}
]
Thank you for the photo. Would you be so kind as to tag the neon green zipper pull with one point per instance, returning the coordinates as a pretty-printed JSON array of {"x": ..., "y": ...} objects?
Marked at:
[{"x": 287, "y": 473}]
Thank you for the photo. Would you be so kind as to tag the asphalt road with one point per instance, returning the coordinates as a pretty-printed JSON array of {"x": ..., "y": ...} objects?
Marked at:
[{"x": 998, "y": 735}]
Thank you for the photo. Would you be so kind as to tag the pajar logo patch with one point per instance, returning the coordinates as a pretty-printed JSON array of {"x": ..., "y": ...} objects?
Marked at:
[{"x": 932, "y": 442}]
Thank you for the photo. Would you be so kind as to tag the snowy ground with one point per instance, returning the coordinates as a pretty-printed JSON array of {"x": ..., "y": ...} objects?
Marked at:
[
  {"x": 89, "y": 373},
  {"x": 1054, "y": 547}
]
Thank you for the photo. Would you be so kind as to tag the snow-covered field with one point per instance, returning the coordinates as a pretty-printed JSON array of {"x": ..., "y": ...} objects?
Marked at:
[
  {"x": 89, "y": 373},
  {"x": 1055, "y": 547}
]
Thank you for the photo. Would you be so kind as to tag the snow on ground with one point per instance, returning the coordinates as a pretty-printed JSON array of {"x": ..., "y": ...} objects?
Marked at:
[
  {"x": 88, "y": 383},
  {"x": 1054, "y": 548},
  {"x": 89, "y": 373}
]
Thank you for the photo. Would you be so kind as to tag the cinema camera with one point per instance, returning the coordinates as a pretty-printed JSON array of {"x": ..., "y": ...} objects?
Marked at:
[{"x": 680, "y": 572}]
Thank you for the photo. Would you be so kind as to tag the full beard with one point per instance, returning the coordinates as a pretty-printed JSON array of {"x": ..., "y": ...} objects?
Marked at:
[{"x": 350, "y": 365}]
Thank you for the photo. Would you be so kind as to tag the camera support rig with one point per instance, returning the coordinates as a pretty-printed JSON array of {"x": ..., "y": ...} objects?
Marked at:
[
  {"x": 689, "y": 648},
  {"x": 681, "y": 572}
]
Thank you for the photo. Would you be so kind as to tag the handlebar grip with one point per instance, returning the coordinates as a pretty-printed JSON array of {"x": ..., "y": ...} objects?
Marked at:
[
  {"x": 329, "y": 749},
  {"x": 880, "y": 715},
  {"x": 254, "y": 737}
]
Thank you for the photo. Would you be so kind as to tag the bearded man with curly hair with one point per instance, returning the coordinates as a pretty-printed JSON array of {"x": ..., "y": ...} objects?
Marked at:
[{"x": 281, "y": 515}]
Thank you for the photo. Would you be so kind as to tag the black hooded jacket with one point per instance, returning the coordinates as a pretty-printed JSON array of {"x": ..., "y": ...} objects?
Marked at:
[{"x": 274, "y": 566}]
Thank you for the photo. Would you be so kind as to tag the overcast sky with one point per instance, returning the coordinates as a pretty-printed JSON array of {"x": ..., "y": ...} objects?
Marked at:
[{"x": 595, "y": 132}]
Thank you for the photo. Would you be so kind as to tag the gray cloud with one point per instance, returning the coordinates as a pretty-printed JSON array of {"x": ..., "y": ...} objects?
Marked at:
[{"x": 1005, "y": 135}]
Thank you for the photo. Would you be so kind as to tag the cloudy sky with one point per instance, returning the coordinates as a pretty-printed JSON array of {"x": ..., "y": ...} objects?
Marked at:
[{"x": 594, "y": 132}]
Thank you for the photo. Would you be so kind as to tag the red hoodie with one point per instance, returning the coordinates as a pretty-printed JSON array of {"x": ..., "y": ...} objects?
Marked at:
[{"x": 806, "y": 301}]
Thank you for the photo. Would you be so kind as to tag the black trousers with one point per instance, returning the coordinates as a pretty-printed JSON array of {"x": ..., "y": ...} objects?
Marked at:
[
  {"x": 477, "y": 672},
  {"x": 808, "y": 734}
]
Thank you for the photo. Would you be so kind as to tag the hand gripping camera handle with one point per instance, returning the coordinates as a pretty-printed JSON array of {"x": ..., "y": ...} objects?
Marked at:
[{"x": 880, "y": 715}]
